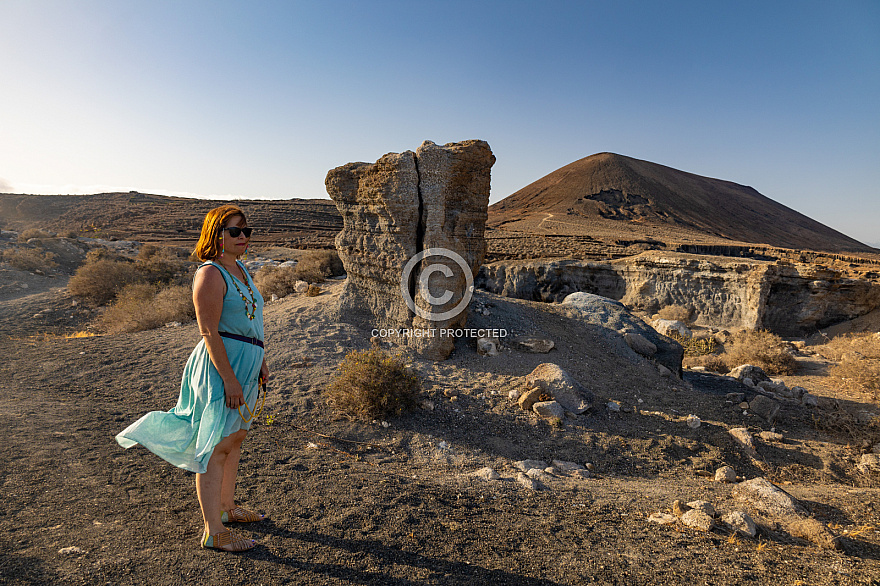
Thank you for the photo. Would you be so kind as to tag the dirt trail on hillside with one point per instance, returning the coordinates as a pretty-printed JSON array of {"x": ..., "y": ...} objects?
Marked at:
[{"x": 397, "y": 507}]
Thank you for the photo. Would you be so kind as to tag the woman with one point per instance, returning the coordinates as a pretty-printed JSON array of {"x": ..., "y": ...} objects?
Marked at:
[{"x": 203, "y": 433}]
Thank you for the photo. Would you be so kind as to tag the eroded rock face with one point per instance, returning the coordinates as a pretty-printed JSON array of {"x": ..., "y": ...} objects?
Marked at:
[
  {"x": 788, "y": 299},
  {"x": 403, "y": 204}
]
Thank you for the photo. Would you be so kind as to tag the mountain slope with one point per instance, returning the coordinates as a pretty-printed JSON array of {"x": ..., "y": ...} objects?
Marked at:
[{"x": 617, "y": 195}]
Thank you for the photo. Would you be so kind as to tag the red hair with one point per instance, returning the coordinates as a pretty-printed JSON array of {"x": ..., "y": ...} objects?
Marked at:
[{"x": 209, "y": 245}]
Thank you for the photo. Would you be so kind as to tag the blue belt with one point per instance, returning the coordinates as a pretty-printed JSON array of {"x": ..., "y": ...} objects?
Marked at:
[{"x": 254, "y": 341}]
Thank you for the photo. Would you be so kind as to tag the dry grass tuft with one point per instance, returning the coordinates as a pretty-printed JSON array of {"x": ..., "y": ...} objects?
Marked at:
[
  {"x": 29, "y": 259},
  {"x": 858, "y": 361},
  {"x": 34, "y": 233},
  {"x": 677, "y": 313},
  {"x": 141, "y": 306},
  {"x": 695, "y": 346},
  {"x": 99, "y": 282},
  {"x": 316, "y": 265},
  {"x": 372, "y": 383},
  {"x": 761, "y": 348},
  {"x": 280, "y": 281}
]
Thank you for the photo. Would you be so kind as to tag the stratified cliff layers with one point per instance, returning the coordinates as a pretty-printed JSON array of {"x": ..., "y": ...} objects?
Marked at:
[
  {"x": 791, "y": 299},
  {"x": 413, "y": 230}
]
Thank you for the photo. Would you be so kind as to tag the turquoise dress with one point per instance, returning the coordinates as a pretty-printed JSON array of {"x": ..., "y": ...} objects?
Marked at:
[{"x": 186, "y": 435}]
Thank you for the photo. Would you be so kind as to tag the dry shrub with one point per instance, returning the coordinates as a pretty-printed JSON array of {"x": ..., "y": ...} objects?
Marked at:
[
  {"x": 161, "y": 265},
  {"x": 370, "y": 384},
  {"x": 858, "y": 361},
  {"x": 695, "y": 346},
  {"x": 139, "y": 306},
  {"x": 760, "y": 348},
  {"x": 712, "y": 362},
  {"x": 316, "y": 265},
  {"x": 34, "y": 233},
  {"x": 278, "y": 281},
  {"x": 98, "y": 282},
  {"x": 676, "y": 313},
  {"x": 29, "y": 259}
]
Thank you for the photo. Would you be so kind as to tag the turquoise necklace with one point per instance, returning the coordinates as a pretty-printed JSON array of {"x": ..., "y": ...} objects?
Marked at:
[{"x": 250, "y": 305}]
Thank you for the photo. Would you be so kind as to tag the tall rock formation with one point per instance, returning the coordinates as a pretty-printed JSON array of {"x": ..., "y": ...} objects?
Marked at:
[{"x": 400, "y": 206}]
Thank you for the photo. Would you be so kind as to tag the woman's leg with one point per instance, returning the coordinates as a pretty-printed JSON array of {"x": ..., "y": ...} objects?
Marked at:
[
  {"x": 230, "y": 472},
  {"x": 209, "y": 486}
]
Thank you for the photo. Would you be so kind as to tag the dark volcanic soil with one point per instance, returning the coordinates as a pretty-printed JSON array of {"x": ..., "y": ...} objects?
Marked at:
[{"x": 366, "y": 504}]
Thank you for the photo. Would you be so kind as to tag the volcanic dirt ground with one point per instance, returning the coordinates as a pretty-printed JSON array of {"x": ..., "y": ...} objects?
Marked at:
[{"x": 353, "y": 503}]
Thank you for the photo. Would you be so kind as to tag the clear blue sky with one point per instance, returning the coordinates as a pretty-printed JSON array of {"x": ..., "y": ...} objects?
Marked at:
[{"x": 260, "y": 99}]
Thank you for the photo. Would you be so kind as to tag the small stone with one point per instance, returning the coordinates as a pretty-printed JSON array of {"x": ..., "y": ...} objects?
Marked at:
[
  {"x": 589, "y": 466},
  {"x": 664, "y": 372},
  {"x": 725, "y": 474},
  {"x": 386, "y": 425},
  {"x": 736, "y": 397},
  {"x": 300, "y": 287},
  {"x": 549, "y": 409},
  {"x": 427, "y": 405},
  {"x": 697, "y": 519},
  {"x": 539, "y": 475},
  {"x": 662, "y": 518},
  {"x": 486, "y": 473},
  {"x": 744, "y": 439},
  {"x": 550, "y": 470},
  {"x": 444, "y": 445},
  {"x": 71, "y": 550},
  {"x": 809, "y": 400},
  {"x": 693, "y": 421},
  {"x": 526, "y": 465},
  {"x": 704, "y": 506},
  {"x": 679, "y": 508},
  {"x": 613, "y": 406},
  {"x": 771, "y": 436},
  {"x": 741, "y": 522},
  {"x": 764, "y": 407},
  {"x": 581, "y": 473},
  {"x": 535, "y": 345},
  {"x": 275, "y": 297},
  {"x": 745, "y": 371},
  {"x": 527, "y": 482},
  {"x": 513, "y": 395},
  {"x": 743, "y": 405},
  {"x": 487, "y": 346},
  {"x": 529, "y": 398},
  {"x": 567, "y": 466},
  {"x": 748, "y": 382}
]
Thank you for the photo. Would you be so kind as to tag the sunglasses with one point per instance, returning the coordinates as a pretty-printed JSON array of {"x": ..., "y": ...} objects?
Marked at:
[{"x": 234, "y": 231}]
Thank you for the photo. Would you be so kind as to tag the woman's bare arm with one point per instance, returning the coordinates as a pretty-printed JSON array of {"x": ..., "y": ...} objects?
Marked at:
[{"x": 209, "y": 288}]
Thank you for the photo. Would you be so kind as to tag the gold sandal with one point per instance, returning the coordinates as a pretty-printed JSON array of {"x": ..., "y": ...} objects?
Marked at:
[
  {"x": 220, "y": 541},
  {"x": 240, "y": 515}
]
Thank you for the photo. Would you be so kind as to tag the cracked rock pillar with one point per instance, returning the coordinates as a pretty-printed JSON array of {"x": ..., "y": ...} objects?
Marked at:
[{"x": 397, "y": 207}]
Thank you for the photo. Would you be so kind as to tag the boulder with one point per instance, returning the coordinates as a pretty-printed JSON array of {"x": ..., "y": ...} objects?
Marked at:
[
  {"x": 487, "y": 346},
  {"x": 614, "y": 316},
  {"x": 725, "y": 474},
  {"x": 741, "y": 523},
  {"x": 697, "y": 519},
  {"x": 744, "y": 371},
  {"x": 557, "y": 383},
  {"x": 671, "y": 326},
  {"x": 764, "y": 407},
  {"x": 529, "y": 398},
  {"x": 402, "y": 205},
  {"x": 549, "y": 409}
]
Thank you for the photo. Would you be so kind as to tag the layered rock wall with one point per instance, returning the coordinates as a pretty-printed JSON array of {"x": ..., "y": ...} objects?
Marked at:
[
  {"x": 401, "y": 205},
  {"x": 789, "y": 299}
]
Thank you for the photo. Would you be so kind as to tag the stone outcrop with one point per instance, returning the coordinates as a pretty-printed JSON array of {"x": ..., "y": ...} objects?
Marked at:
[
  {"x": 616, "y": 318},
  {"x": 400, "y": 206},
  {"x": 791, "y": 299}
]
